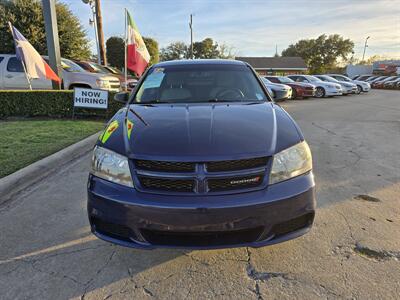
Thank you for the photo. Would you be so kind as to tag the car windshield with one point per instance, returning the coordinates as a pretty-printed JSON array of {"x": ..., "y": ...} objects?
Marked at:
[
  {"x": 98, "y": 68},
  {"x": 70, "y": 66},
  {"x": 200, "y": 83},
  {"x": 328, "y": 78},
  {"x": 283, "y": 79},
  {"x": 313, "y": 79},
  {"x": 114, "y": 70}
]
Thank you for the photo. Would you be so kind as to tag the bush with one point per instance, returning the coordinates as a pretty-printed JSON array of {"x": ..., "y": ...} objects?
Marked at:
[{"x": 38, "y": 103}]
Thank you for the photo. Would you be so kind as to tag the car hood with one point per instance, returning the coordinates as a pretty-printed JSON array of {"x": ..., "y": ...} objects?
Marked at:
[
  {"x": 360, "y": 82},
  {"x": 301, "y": 84},
  {"x": 88, "y": 75},
  {"x": 277, "y": 86},
  {"x": 201, "y": 132}
]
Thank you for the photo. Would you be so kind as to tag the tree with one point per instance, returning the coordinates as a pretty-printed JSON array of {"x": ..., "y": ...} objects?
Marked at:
[
  {"x": 152, "y": 47},
  {"x": 115, "y": 52},
  {"x": 27, "y": 17},
  {"x": 175, "y": 50},
  {"x": 321, "y": 53},
  {"x": 206, "y": 49}
]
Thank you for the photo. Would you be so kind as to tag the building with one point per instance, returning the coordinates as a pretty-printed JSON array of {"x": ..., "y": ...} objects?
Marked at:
[{"x": 276, "y": 65}]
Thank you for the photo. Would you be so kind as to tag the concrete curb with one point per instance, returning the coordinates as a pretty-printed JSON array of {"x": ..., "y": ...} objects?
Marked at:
[{"x": 24, "y": 178}]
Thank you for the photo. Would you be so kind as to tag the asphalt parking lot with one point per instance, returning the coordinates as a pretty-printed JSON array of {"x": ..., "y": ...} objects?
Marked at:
[{"x": 352, "y": 252}]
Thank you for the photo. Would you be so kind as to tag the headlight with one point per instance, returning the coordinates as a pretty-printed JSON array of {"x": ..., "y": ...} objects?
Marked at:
[
  {"x": 111, "y": 166},
  {"x": 101, "y": 83},
  {"x": 291, "y": 162}
]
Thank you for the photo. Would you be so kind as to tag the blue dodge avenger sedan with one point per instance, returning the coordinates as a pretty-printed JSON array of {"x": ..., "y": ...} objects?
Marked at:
[{"x": 201, "y": 158}]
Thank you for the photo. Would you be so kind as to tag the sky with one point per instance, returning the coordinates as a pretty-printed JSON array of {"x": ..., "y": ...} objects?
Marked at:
[{"x": 254, "y": 27}]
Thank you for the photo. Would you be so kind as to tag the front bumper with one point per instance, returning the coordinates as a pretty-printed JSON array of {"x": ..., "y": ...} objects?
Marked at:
[
  {"x": 365, "y": 88},
  {"x": 333, "y": 92},
  {"x": 124, "y": 216}
]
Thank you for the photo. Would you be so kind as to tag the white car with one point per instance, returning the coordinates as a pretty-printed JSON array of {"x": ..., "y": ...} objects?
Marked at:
[
  {"x": 12, "y": 77},
  {"x": 323, "y": 88},
  {"x": 279, "y": 91},
  {"x": 362, "y": 86},
  {"x": 347, "y": 87}
]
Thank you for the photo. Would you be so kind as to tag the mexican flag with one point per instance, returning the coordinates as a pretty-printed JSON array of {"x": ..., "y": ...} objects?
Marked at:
[{"x": 137, "y": 55}]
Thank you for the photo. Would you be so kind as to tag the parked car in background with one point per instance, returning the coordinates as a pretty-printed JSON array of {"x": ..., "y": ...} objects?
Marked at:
[
  {"x": 379, "y": 84},
  {"x": 347, "y": 87},
  {"x": 279, "y": 91},
  {"x": 376, "y": 78},
  {"x": 323, "y": 88},
  {"x": 391, "y": 83},
  {"x": 100, "y": 69},
  {"x": 299, "y": 89},
  {"x": 362, "y": 77},
  {"x": 12, "y": 76},
  {"x": 131, "y": 80},
  {"x": 361, "y": 86}
]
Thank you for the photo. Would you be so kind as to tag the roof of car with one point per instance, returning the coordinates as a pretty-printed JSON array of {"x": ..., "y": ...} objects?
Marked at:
[{"x": 199, "y": 62}]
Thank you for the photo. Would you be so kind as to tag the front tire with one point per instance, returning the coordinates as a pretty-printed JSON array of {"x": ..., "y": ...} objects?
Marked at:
[
  {"x": 359, "y": 89},
  {"x": 294, "y": 94},
  {"x": 320, "y": 92}
]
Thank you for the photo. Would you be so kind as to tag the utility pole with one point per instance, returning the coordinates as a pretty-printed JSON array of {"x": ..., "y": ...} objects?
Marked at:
[
  {"x": 365, "y": 47},
  {"x": 191, "y": 36},
  {"x": 99, "y": 23},
  {"x": 53, "y": 44}
]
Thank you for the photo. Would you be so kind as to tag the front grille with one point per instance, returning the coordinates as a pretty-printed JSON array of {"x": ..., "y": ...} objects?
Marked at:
[
  {"x": 202, "y": 239},
  {"x": 234, "y": 165},
  {"x": 234, "y": 183},
  {"x": 200, "y": 177},
  {"x": 164, "y": 166},
  {"x": 161, "y": 184}
]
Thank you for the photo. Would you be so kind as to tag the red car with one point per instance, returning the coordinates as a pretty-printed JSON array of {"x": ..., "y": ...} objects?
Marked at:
[{"x": 299, "y": 89}]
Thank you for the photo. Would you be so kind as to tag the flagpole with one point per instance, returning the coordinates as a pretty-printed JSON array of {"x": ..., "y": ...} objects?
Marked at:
[
  {"x": 22, "y": 62},
  {"x": 125, "y": 60}
]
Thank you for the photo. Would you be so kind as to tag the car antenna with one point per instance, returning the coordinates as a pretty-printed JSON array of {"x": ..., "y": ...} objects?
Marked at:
[{"x": 138, "y": 116}]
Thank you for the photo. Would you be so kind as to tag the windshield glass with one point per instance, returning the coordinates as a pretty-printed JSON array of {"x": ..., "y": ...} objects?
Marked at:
[
  {"x": 70, "y": 66},
  {"x": 313, "y": 79},
  {"x": 98, "y": 69},
  {"x": 114, "y": 70},
  {"x": 283, "y": 79},
  {"x": 194, "y": 83},
  {"x": 328, "y": 78}
]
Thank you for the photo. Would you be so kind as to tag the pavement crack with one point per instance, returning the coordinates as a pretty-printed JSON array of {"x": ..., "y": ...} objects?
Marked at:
[
  {"x": 348, "y": 225},
  {"x": 259, "y": 277},
  {"x": 323, "y": 128},
  {"x": 148, "y": 292}
]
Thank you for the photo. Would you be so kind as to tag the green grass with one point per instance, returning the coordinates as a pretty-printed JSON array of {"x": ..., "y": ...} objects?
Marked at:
[{"x": 24, "y": 142}]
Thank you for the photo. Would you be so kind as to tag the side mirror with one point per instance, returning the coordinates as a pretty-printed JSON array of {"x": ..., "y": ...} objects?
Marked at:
[{"x": 121, "y": 97}]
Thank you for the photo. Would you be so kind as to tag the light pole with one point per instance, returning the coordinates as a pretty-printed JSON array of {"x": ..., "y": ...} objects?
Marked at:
[
  {"x": 191, "y": 36},
  {"x": 365, "y": 47},
  {"x": 94, "y": 6}
]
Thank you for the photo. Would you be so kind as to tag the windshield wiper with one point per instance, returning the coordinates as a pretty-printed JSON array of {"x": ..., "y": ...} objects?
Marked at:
[{"x": 219, "y": 100}]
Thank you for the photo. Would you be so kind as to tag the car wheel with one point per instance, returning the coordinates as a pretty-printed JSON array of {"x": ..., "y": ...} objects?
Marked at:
[
  {"x": 294, "y": 94},
  {"x": 320, "y": 92},
  {"x": 359, "y": 89}
]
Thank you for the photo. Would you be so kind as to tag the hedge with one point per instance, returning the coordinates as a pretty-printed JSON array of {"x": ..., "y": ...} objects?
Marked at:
[{"x": 40, "y": 103}]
